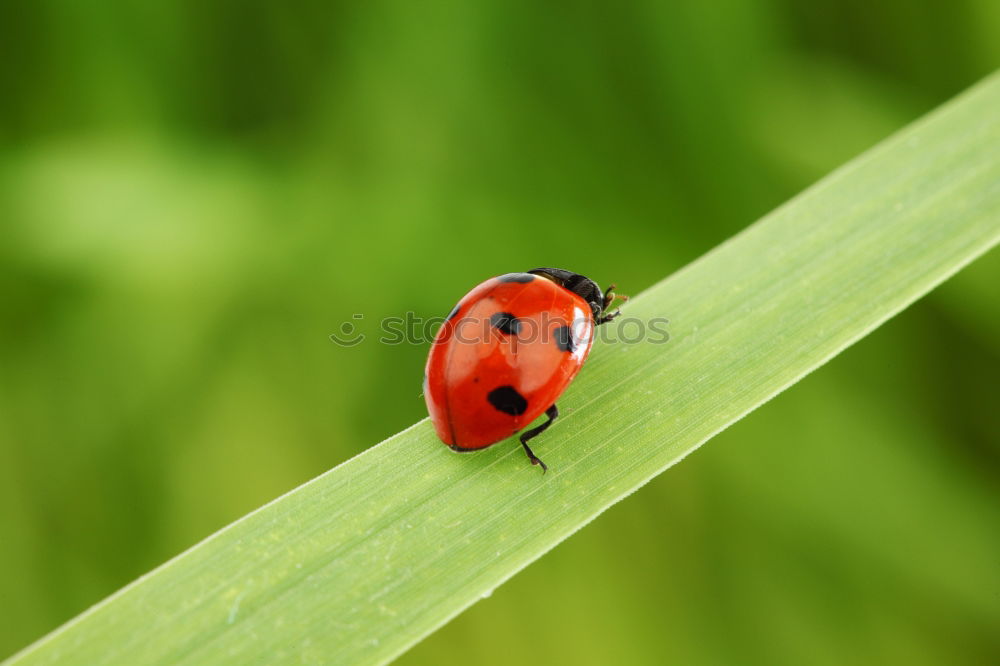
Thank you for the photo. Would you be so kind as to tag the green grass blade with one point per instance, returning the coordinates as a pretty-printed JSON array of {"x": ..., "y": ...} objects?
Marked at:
[{"x": 362, "y": 562}]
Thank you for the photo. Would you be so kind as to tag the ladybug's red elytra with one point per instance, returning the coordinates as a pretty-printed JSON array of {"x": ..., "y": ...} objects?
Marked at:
[{"x": 507, "y": 352}]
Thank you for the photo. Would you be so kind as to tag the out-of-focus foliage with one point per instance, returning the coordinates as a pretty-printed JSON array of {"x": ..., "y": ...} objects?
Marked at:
[{"x": 193, "y": 196}]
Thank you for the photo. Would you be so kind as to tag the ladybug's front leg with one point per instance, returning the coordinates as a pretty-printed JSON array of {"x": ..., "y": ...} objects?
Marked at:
[
  {"x": 552, "y": 413},
  {"x": 609, "y": 297},
  {"x": 605, "y": 318}
]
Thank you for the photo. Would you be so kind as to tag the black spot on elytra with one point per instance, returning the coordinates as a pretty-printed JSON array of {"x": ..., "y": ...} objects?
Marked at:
[
  {"x": 506, "y": 399},
  {"x": 517, "y": 277},
  {"x": 454, "y": 311},
  {"x": 505, "y": 322},
  {"x": 564, "y": 339}
]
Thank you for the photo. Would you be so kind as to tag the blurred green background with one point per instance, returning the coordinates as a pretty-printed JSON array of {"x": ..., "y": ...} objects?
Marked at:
[{"x": 193, "y": 196}]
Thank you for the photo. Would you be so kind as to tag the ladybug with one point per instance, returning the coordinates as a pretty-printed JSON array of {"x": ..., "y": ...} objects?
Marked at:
[{"x": 506, "y": 353}]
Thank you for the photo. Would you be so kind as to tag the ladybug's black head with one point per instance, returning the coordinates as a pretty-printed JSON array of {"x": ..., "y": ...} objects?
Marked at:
[{"x": 582, "y": 286}]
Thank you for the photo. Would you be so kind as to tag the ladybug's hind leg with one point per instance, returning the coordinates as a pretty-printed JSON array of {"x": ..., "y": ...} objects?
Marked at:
[{"x": 552, "y": 412}]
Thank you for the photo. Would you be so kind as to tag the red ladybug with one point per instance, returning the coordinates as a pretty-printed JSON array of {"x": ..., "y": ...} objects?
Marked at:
[{"x": 507, "y": 352}]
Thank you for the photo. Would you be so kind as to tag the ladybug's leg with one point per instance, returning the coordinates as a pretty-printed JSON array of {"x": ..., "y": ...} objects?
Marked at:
[
  {"x": 605, "y": 318},
  {"x": 552, "y": 413},
  {"x": 609, "y": 298}
]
